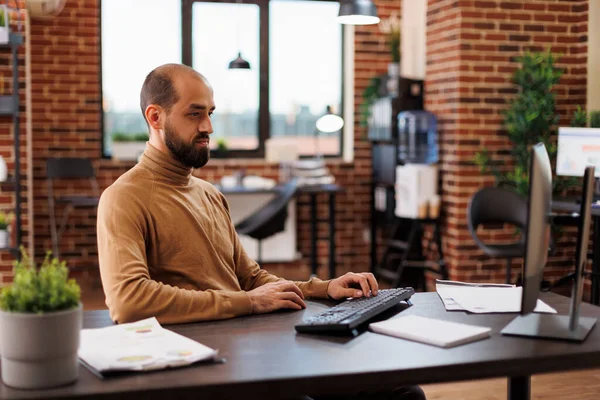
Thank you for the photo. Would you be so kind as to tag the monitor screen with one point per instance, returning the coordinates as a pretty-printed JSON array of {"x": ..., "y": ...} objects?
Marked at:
[
  {"x": 537, "y": 235},
  {"x": 577, "y": 148}
]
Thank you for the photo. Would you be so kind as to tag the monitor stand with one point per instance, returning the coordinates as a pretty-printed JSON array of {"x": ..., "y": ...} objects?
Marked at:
[
  {"x": 549, "y": 326},
  {"x": 570, "y": 327}
]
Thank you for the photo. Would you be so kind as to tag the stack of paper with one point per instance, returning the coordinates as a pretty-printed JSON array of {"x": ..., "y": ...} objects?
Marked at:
[
  {"x": 138, "y": 346},
  {"x": 431, "y": 331},
  {"x": 484, "y": 297}
]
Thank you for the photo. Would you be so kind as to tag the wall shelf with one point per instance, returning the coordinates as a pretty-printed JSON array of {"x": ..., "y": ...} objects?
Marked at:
[{"x": 9, "y": 106}]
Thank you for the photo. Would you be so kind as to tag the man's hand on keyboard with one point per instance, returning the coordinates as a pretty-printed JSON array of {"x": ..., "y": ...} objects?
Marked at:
[
  {"x": 353, "y": 285},
  {"x": 276, "y": 295}
]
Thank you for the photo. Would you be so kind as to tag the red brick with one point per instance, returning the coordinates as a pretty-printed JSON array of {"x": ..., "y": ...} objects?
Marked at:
[
  {"x": 556, "y": 28},
  {"x": 534, "y": 6},
  {"x": 486, "y": 4},
  {"x": 559, "y": 7},
  {"x": 544, "y": 17},
  {"x": 495, "y": 36},
  {"x": 496, "y": 15},
  {"x": 568, "y": 18},
  {"x": 511, "y": 5}
]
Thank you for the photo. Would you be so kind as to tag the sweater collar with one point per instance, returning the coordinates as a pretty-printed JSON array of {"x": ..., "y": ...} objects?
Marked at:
[{"x": 165, "y": 165}]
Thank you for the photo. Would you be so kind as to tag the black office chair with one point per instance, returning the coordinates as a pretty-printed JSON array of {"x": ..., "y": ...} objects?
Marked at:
[
  {"x": 270, "y": 219},
  {"x": 68, "y": 168},
  {"x": 492, "y": 206}
]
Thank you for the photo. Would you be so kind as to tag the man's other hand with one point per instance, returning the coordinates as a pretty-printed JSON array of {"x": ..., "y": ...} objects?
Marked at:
[
  {"x": 353, "y": 285},
  {"x": 276, "y": 295}
]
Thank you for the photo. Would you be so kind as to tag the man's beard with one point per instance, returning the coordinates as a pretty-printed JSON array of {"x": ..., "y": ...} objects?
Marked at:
[{"x": 186, "y": 153}]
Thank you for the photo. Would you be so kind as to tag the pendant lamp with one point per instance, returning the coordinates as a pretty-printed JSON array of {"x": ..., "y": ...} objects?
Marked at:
[
  {"x": 239, "y": 63},
  {"x": 357, "y": 12}
]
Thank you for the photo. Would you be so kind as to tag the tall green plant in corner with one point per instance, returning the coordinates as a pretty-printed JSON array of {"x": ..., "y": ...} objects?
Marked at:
[{"x": 531, "y": 118}]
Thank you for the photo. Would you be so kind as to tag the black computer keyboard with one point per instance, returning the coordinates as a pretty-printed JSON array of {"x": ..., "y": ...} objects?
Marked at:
[{"x": 346, "y": 316}]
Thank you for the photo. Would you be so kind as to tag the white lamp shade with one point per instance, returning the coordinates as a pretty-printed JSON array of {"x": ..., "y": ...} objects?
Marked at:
[
  {"x": 357, "y": 20},
  {"x": 330, "y": 123},
  {"x": 357, "y": 12}
]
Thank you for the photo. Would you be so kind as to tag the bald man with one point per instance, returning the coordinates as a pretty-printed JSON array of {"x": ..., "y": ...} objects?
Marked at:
[
  {"x": 166, "y": 243},
  {"x": 167, "y": 247}
]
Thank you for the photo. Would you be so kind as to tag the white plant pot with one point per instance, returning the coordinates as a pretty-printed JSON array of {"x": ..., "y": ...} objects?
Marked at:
[
  {"x": 127, "y": 151},
  {"x": 3, "y": 170},
  {"x": 40, "y": 350},
  {"x": 3, "y": 238},
  {"x": 4, "y": 35}
]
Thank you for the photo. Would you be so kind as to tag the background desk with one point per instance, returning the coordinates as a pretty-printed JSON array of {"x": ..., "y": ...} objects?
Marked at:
[
  {"x": 571, "y": 206},
  {"x": 313, "y": 191},
  {"x": 267, "y": 359}
]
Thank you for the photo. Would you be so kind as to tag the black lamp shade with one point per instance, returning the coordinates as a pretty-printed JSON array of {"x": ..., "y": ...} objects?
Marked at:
[
  {"x": 239, "y": 63},
  {"x": 357, "y": 12}
]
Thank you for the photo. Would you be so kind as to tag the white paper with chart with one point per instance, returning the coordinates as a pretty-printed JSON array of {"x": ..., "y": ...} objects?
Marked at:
[{"x": 139, "y": 346}]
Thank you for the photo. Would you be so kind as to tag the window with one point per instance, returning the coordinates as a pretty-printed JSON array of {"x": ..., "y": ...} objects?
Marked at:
[
  {"x": 305, "y": 72},
  {"x": 294, "y": 48},
  {"x": 131, "y": 48},
  {"x": 236, "y": 91}
]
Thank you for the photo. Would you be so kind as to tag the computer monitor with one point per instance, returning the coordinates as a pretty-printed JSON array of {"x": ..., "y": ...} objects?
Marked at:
[
  {"x": 537, "y": 239},
  {"x": 577, "y": 149},
  {"x": 537, "y": 231}
]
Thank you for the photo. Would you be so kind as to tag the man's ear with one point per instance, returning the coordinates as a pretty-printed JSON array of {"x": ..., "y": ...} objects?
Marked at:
[{"x": 155, "y": 116}]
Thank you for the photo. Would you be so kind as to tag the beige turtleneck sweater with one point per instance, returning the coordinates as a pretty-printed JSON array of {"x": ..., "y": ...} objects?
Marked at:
[{"x": 167, "y": 248}]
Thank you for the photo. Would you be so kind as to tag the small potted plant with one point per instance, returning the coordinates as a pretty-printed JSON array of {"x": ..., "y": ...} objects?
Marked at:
[
  {"x": 40, "y": 323},
  {"x": 5, "y": 220},
  {"x": 128, "y": 146},
  {"x": 390, "y": 27},
  {"x": 221, "y": 150}
]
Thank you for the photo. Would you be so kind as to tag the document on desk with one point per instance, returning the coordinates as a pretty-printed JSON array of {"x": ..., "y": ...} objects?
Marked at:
[
  {"x": 484, "y": 298},
  {"x": 138, "y": 346}
]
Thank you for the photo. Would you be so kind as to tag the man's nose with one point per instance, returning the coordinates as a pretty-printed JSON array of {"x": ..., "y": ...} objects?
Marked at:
[{"x": 206, "y": 126}]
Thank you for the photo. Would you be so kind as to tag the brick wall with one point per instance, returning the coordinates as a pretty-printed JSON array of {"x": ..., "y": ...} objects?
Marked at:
[
  {"x": 470, "y": 50},
  {"x": 66, "y": 96},
  {"x": 7, "y": 151},
  {"x": 65, "y": 102}
]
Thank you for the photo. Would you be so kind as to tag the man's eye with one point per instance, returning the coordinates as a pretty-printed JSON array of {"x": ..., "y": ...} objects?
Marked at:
[
  {"x": 210, "y": 114},
  {"x": 195, "y": 114}
]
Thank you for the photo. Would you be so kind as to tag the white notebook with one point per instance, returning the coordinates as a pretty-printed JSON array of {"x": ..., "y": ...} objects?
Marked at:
[{"x": 431, "y": 331}]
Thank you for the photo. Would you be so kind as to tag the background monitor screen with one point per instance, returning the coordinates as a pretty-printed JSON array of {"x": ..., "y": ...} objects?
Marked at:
[{"x": 577, "y": 148}]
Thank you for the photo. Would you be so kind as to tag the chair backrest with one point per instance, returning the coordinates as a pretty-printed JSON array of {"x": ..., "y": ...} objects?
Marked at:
[
  {"x": 69, "y": 168},
  {"x": 270, "y": 219},
  {"x": 496, "y": 206}
]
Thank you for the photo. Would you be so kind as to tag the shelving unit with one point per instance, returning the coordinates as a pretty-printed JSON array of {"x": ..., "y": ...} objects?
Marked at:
[
  {"x": 402, "y": 236},
  {"x": 9, "y": 106}
]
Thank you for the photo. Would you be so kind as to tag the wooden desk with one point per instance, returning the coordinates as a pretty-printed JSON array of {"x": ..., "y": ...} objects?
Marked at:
[
  {"x": 571, "y": 206},
  {"x": 313, "y": 190},
  {"x": 267, "y": 359}
]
